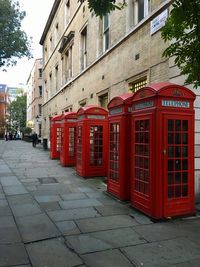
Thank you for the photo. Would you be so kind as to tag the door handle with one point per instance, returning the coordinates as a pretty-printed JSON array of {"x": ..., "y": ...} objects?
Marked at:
[{"x": 164, "y": 151}]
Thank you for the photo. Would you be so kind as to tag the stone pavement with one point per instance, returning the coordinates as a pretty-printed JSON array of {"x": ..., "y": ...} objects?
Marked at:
[{"x": 51, "y": 217}]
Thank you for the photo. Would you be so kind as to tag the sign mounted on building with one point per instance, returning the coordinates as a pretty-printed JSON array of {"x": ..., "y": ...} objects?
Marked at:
[{"x": 158, "y": 22}]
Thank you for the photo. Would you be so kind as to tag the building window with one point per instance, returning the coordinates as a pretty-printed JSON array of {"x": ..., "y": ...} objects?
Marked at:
[
  {"x": 56, "y": 78},
  {"x": 83, "y": 58},
  {"x": 40, "y": 73},
  {"x": 106, "y": 32},
  {"x": 143, "y": 9},
  {"x": 137, "y": 10},
  {"x": 51, "y": 43},
  {"x": 50, "y": 84},
  {"x": 56, "y": 33},
  {"x": 82, "y": 103},
  {"x": 40, "y": 109},
  {"x": 136, "y": 85},
  {"x": 40, "y": 90},
  {"x": 67, "y": 12},
  {"x": 103, "y": 100}
]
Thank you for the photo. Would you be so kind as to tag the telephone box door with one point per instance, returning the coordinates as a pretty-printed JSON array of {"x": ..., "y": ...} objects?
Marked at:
[
  {"x": 142, "y": 162},
  {"x": 178, "y": 155}
]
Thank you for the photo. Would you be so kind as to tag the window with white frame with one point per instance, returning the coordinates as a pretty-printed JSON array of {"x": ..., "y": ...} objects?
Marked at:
[
  {"x": 106, "y": 32},
  {"x": 137, "y": 11},
  {"x": 83, "y": 49}
]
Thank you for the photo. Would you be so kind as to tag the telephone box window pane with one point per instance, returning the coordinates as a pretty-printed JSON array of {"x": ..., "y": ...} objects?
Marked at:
[
  {"x": 178, "y": 138},
  {"x": 178, "y": 191},
  {"x": 184, "y": 177},
  {"x": 170, "y": 192},
  {"x": 178, "y": 125},
  {"x": 170, "y": 138},
  {"x": 170, "y": 151},
  {"x": 184, "y": 125},
  {"x": 170, "y": 178},
  {"x": 184, "y": 190},
  {"x": 184, "y": 138},
  {"x": 178, "y": 178},
  {"x": 178, "y": 165},
  {"x": 170, "y": 165},
  {"x": 170, "y": 125},
  {"x": 185, "y": 164},
  {"x": 79, "y": 145},
  {"x": 184, "y": 151},
  {"x": 178, "y": 151}
]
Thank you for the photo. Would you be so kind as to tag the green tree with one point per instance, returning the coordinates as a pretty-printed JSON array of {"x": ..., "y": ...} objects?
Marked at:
[
  {"x": 14, "y": 42},
  {"x": 103, "y": 7},
  {"x": 17, "y": 112},
  {"x": 183, "y": 30}
]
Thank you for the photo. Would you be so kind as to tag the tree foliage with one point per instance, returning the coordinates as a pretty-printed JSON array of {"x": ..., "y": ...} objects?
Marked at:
[
  {"x": 103, "y": 7},
  {"x": 17, "y": 112},
  {"x": 183, "y": 30},
  {"x": 14, "y": 42}
]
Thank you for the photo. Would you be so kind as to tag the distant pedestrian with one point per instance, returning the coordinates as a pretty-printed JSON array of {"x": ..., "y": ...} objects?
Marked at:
[
  {"x": 6, "y": 136},
  {"x": 10, "y": 136},
  {"x": 34, "y": 139}
]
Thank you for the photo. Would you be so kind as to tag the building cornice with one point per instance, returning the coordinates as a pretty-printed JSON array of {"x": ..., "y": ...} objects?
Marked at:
[{"x": 49, "y": 21}]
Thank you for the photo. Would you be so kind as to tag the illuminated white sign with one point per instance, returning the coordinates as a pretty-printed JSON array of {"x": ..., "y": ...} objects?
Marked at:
[
  {"x": 176, "y": 104},
  {"x": 158, "y": 22}
]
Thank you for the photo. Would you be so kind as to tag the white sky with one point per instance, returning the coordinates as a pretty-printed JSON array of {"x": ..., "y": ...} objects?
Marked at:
[{"x": 37, "y": 12}]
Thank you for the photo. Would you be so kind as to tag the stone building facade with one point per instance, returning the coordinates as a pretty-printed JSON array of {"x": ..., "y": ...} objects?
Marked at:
[
  {"x": 89, "y": 60},
  {"x": 34, "y": 97}
]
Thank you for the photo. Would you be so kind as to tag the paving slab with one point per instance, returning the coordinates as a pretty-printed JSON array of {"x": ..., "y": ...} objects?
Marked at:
[
  {"x": 73, "y": 196},
  {"x": 25, "y": 210},
  {"x": 68, "y": 227},
  {"x": 2, "y": 195},
  {"x": 20, "y": 199},
  {"x": 163, "y": 253},
  {"x": 37, "y": 227},
  {"x": 72, "y": 214},
  {"x": 50, "y": 206},
  {"x": 3, "y": 203},
  {"x": 9, "y": 180},
  {"x": 193, "y": 263},
  {"x": 108, "y": 258},
  {"x": 52, "y": 253},
  {"x": 15, "y": 190},
  {"x": 102, "y": 240},
  {"x": 113, "y": 210},
  {"x": 159, "y": 231},
  {"x": 82, "y": 203},
  {"x": 105, "y": 223},
  {"x": 13, "y": 254},
  {"x": 8, "y": 230},
  {"x": 5, "y": 211},
  {"x": 51, "y": 198}
]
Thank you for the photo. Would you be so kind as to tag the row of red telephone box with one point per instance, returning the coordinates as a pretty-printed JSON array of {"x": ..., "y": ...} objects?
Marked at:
[{"x": 144, "y": 144}]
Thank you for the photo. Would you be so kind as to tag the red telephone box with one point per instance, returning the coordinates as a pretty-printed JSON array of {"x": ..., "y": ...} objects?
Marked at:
[
  {"x": 163, "y": 150},
  {"x": 92, "y": 141},
  {"x": 55, "y": 137},
  {"x": 68, "y": 139},
  {"x": 119, "y": 124}
]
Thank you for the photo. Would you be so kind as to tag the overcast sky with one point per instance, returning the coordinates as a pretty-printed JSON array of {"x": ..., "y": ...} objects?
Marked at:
[{"x": 37, "y": 12}]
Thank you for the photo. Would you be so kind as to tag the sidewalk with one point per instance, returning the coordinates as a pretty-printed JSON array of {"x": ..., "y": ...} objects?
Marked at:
[{"x": 51, "y": 217}]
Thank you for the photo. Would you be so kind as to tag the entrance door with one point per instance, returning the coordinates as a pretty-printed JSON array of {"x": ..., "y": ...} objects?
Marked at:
[{"x": 178, "y": 165}]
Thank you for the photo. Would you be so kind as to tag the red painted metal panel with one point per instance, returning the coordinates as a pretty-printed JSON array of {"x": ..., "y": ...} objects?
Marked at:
[
  {"x": 92, "y": 141},
  {"x": 68, "y": 139},
  {"x": 162, "y": 157}
]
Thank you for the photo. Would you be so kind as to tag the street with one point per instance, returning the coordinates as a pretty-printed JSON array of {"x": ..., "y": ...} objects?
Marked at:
[{"x": 51, "y": 217}]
